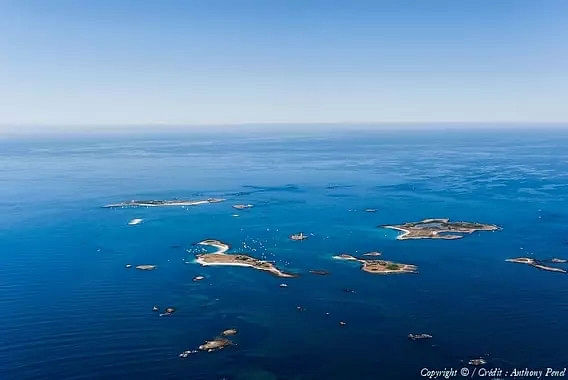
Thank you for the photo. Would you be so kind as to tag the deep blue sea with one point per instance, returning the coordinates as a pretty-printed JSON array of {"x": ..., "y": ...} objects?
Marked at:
[{"x": 70, "y": 309}]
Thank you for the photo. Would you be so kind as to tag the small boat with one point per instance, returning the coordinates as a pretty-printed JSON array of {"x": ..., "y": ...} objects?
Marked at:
[{"x": 298, "y": 236}]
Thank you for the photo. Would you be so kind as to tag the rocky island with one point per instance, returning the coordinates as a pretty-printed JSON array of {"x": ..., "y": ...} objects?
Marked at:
[
  {"x": 215, "y": 344},
  {"x": 477, "y": 362},
  {"x": 243, "y": 206},
  {"x": 146, "y": 267},
  {"x": 536, "y": 264},
  {"x": 168, "y": 312},
  {"x": 319, "y": 272},
  {"x": 220, "y": 257},
  {"x": 438, "y": 229},
  {"x": 229, "y": 332},
  {"x": 379, "y": 266},
  {"x": 419, "y": 336},
  {"x": 162, "y": 203}
]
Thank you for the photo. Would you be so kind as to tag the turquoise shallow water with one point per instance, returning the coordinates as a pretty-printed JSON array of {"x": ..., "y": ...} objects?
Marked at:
[{"x": 70, "y": 308}]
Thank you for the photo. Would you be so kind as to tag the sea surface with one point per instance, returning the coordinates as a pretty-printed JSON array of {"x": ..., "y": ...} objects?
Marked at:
[{"x": 70, "y": 309}]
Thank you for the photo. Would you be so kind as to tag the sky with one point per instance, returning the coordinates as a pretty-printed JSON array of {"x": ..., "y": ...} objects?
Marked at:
[{"x": 229, "y": 62}]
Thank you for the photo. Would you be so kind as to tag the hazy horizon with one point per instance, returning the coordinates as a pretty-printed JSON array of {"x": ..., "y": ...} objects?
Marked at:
[
  {"x": 272, "y": 128},
  {"x": 131, "y": 63}
]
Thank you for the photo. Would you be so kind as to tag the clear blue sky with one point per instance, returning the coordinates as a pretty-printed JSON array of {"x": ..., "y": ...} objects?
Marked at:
[{"x": 128, "y": 62}]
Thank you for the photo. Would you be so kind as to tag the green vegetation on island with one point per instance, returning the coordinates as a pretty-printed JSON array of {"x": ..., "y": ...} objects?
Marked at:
[{"x": 438, "y": 229}]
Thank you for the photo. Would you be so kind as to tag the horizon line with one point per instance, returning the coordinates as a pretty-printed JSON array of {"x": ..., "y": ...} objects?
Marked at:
[
  {"x": 8, "y": 130},
  {"x": 188, "y": 124}
]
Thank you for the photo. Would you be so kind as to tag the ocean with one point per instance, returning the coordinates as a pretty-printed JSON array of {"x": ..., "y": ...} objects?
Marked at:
[{"x": 70, "y": 309}]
